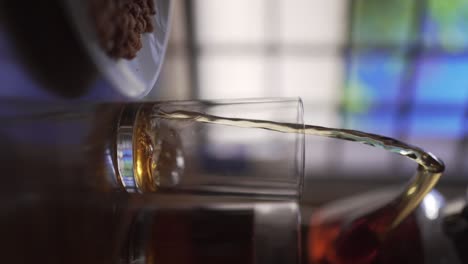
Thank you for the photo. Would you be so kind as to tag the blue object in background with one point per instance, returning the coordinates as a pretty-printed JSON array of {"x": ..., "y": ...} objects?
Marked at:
[
  {"x": 445, "y": 25},
  {"x": 443, "y": 80},
  {"x": 372, "y": 92},
  {"x": 374, "y": 78},
  {"x": 427, "y": 123},
  {"x": 379, "y": 121},
  {"x": 416, "y": 83}
]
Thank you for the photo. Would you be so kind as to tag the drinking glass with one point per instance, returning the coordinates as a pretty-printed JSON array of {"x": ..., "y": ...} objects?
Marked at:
[{"x": 181, "y": 147}]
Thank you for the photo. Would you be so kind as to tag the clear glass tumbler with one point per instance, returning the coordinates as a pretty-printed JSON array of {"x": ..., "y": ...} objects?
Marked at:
[{"x": 180, "y": 147}]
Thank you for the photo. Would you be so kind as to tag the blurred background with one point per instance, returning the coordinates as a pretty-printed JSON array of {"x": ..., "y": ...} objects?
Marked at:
[{"x": 396, "y": 68}]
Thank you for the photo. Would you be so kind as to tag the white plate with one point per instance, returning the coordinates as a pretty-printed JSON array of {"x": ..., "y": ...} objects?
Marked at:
[{"x": 132, "y": 78}]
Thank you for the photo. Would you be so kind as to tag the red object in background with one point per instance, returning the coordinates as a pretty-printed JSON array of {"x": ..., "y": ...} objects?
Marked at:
[{"x": 361, "y": 241}]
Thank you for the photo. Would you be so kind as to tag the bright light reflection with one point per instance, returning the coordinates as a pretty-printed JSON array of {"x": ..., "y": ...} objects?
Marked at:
[
  {"x": 269, "y": 208},
  {"x": 411, "y": 190},
  {"x": 431, "y": 205}
]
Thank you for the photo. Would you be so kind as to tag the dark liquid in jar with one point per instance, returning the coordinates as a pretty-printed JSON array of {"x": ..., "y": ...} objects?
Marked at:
[{"x": 361, "y": 241}]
